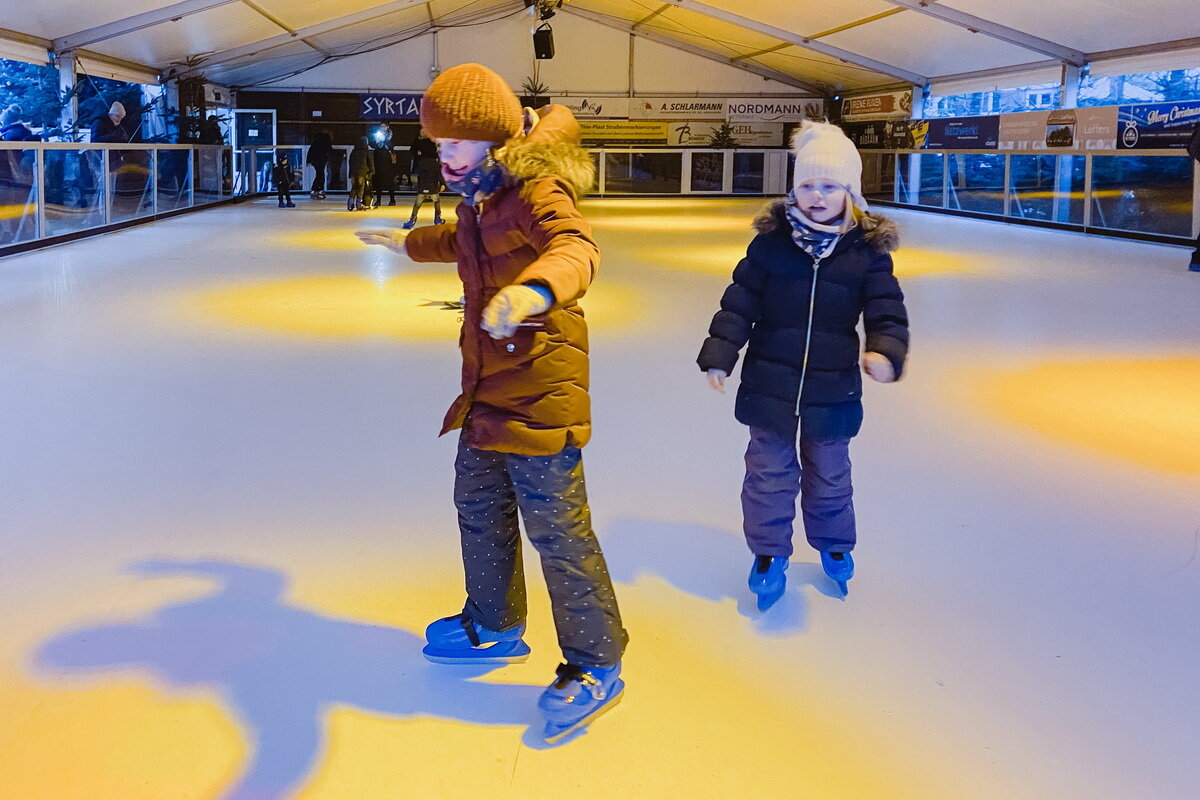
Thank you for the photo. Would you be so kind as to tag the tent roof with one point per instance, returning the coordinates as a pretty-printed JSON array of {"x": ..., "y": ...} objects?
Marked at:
[{"x": 843, "y": 46}]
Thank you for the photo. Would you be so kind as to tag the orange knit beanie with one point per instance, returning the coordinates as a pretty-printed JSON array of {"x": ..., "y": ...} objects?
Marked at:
[{"x": 471, "y": 102}]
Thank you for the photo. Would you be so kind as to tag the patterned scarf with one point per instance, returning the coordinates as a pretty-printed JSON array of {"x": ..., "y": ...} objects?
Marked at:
[
  {"x": 488, "y": 176},
  {"x": 812, "y": 237}
]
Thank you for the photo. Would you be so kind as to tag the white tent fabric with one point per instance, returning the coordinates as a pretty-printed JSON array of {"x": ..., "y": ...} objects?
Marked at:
[{"x": 834, "y": 47}]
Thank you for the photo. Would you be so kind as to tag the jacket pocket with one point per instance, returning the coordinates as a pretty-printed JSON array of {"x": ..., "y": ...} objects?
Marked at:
[{"x": 530, "y": 339}]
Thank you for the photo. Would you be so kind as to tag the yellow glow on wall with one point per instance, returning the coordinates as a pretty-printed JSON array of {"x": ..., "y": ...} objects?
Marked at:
[
  {"x": 1142, "y": 410},
  {"x": 353, "y": 306}
]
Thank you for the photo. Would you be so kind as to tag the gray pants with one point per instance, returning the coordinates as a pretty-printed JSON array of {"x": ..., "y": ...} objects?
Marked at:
[
  {"x": 774, "y": 476},
  {"x": 549, "y": 492}
]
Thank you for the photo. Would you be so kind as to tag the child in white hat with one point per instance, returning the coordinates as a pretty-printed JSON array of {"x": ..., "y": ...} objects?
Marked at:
[{"x": 820, "y": 263}]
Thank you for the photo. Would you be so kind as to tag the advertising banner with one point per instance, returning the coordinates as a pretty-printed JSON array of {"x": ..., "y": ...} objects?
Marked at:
[
  {"x": 964, "y": 133},
  {"x": 774, "y": 109},
  {"x": 746, "y": 134},
  {"x": 623, "y": 131},
  {"x": 670, "y": 108},
  {"x": 1158, "y": 125},
  {"x": 1068, "y": 129},
  {"x": 878, "y": 106},
  {"x": 595, "y": 107},
  {"x": 389, "y": 106},
  {"x": 899, "y": 134}
]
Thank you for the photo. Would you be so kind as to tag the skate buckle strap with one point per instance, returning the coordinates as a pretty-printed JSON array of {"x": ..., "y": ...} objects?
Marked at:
[
  {"x": 469, "y": 627},
  {"x": 574, "y": 672}
]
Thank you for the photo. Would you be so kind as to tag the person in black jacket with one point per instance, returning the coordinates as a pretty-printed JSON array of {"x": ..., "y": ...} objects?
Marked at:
[
  {"x": 362, "y": 170},
  {"x": 113, "y": 128},
  {"x": 428, "y": 167},
  {"x": 385, "y": 165},
  {"x": 818, "y": 265},
  {"x": 1194, "y": 151},
  {"x": 318, "y": 157},
  {"x": 281, "y": 173}
]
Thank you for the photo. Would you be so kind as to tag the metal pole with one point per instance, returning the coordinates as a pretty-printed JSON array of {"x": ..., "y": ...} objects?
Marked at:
[
  {"x": 40, "y": 175},
  {"x": 1087, "y": 192},
  {"x": 154, "y": 180},
  {"x": 105, "y": 189},
  {"x": 945, "y": 180},
  {"x": 1007, "y": 184}
]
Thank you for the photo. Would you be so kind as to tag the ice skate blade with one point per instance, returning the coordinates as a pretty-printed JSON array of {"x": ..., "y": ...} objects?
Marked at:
[
  {"x": 845, "y": 589},
  {"x": 501, "y": 653},
  {"x": 554, "y": 734},
  {"x": 765, "y": 601}
]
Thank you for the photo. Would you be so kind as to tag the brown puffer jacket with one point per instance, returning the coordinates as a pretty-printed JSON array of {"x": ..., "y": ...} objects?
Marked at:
[{"x": 528, "y": 394}]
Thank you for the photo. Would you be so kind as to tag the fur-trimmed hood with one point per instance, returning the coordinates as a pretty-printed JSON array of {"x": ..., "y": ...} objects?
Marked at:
[
  {"x": 551, "y": 149},
  {"x": 882, "y": 233}
]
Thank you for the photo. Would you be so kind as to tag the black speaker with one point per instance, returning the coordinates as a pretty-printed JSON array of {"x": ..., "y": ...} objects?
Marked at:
[{"x": 543, "y": 43}]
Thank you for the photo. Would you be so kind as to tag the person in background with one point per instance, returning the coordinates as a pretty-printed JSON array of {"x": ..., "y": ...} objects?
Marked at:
[
  {"x": 281, "y": 173},
  {"x": 385, "y": 165},
  {"x": 112, "y": 128},
  {"x": 13, "y": 127},
  {"x": 210, "y": 131},
  {"x": 318, "y": 158},
  {"x": 362, "y": 170},
  {"x": 425, "y": 163}
]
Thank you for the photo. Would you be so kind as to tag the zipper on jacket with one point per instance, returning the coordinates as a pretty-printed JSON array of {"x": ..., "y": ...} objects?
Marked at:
[{"x": 812, "y": 302}]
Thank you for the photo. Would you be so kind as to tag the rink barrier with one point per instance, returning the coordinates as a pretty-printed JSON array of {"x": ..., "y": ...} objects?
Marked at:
[
  {"x": 1150, "y": 195},
  {"x": 96, "y": 188}
]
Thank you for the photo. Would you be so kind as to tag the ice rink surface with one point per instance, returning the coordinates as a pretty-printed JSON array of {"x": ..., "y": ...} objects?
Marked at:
[{"x": 226, "y": 520}]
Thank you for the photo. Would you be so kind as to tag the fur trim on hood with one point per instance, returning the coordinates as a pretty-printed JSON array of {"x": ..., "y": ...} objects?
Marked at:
[
  {"x": 880, "y": 231},
  {"x": 550, "y": 149}
]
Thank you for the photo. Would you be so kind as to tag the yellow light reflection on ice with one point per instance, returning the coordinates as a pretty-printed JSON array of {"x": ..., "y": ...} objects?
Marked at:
[
  {"x": 353, "y": 306},
  {"x": 1146, "y": 411}
]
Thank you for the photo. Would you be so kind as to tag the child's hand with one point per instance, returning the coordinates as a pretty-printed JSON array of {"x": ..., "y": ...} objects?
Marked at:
[
  {"x": 716, "y": 379},
  {"x": 878, "y": 367},
  {"x": 511, "y": 306},
  {"x": 392, "y": 240}
]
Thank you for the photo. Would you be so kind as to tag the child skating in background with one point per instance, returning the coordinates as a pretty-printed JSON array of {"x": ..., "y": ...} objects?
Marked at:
[
  {"x": 362, "y": 171},
  {"x": 818, "y": 265},
  {"x": 526, "y": 256},
  {"x": 281, "y": 173}
]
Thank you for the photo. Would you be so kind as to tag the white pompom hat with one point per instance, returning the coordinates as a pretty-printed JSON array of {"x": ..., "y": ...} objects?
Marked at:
[{"x": 824, "y": 151}]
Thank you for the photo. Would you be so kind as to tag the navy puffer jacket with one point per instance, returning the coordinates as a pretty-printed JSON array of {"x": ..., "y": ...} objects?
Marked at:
[{"x": 767, "y": 305}]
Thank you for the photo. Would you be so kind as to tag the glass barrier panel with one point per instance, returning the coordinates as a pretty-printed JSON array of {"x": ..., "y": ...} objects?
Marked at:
[
  {"x": 74, "y": 182},
  {"x": 130, "y": 183},
  {"x": 879, "y": 175},
  {"x": 1147, "y": 194},
  {"x": 976, "y": 183},
  {"x": 245, "y": 178},
  {"x": 643, "y": 173},
  {"x": 174, "y": 179},
  {"x": 931, "y": 173},
  {"x": 749, "y": 173},
  {"x": 208, "y": 174},
  {"x": 1048, "y": 187},
  {"x": 708, "y": 172},
  {"x": 264, "y": 162},
  {"x": 18, "y": 196}
]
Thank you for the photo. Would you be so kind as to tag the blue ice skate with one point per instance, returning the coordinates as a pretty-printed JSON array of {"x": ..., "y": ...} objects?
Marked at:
[
  {"x": 457, "y": 640},
  {"x": 839, "y": 570},
  {"x": 408, "y": 225},
  {"x": 768, "y": 579},
  {"x": 578, "y": 696}
]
